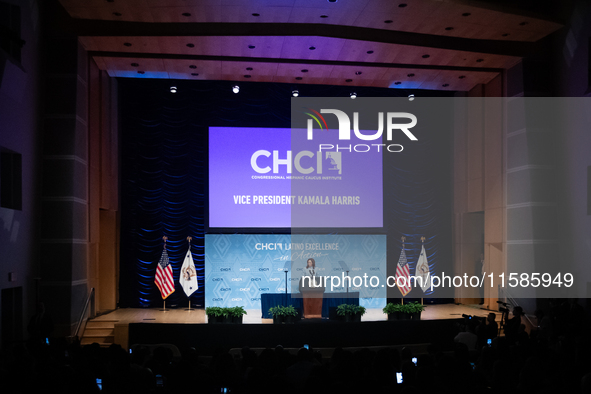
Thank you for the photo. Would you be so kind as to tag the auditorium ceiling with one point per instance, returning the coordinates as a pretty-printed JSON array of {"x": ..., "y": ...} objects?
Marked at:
[{"x": 407, "y": 44}]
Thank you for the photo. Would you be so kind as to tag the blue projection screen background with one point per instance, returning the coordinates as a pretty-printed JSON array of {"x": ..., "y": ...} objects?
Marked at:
[{"x": 240, "y": 267}]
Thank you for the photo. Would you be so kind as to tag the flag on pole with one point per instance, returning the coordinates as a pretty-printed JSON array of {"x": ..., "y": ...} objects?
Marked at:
[
  {"x": 422, "y": 270},
  {"x": 163, "y": 278},
  {"x": 403, "y": 274},
  {"x": 188, "y": 278}
]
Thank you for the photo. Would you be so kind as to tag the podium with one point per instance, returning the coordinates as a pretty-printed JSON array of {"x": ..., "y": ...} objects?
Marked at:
[{"x": 312, "y": 297}]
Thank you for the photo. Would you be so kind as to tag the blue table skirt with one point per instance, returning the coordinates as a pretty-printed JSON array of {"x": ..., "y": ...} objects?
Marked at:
[{"x": 330, "y": 300}]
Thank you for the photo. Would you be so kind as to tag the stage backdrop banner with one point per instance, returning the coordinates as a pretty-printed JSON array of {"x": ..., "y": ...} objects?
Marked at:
[{"x": 241, "y": 267}]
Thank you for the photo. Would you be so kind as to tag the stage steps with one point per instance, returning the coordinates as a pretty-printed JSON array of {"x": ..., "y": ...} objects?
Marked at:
[{"x": 99, "y": 331}]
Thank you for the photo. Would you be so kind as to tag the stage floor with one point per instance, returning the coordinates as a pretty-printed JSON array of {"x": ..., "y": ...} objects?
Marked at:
[{"x": 197, "y": 316}]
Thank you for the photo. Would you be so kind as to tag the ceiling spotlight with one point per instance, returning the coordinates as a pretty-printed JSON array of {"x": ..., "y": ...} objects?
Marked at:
[
  {"x": 173, "y": 89},
  {"x": 236, "y": 89},
  {"x": 411, "y": 97},
  {"x": 295, "y": 93},
  {"x": 353, "y": 95}
]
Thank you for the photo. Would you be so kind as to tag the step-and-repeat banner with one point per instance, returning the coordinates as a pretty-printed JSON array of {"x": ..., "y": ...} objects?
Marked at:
[{"x": 241, "y": 267}]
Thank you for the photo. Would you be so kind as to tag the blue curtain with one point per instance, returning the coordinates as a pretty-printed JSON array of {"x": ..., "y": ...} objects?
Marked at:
[
  {"x": 163, "y": 140},
  {"x": 418, "y": 198}
]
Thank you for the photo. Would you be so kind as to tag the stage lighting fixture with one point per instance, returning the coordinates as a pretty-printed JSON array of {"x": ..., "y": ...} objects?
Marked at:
[
  {"x": 295, "y": 93},
  {"x": 353, "y": 95},
  {"x": 411, "y": 97},
  {"x": 236, "y": 89},
  {"x": 173, "y": 89}
]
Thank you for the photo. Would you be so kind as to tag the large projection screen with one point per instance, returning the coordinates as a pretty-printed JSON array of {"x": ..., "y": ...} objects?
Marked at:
[{"x": 253, "y": 173}]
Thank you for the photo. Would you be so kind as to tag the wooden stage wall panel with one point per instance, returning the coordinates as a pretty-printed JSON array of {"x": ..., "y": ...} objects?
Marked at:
[{"x": 207, "y": 338}]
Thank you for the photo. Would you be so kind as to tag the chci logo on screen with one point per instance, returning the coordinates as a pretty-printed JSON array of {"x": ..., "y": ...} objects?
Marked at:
[
  {"x": 392, "y": 124},
  {"x": 306, "y": 166}
]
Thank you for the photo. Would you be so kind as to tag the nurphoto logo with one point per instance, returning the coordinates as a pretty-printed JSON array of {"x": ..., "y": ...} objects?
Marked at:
[{"x": 344, "y": 134}]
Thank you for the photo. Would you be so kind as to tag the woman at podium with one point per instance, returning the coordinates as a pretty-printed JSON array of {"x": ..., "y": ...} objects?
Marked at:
[
  {"x": 311, "y": 267},
  {"x": 309, "y": 280},
  {"x": 312, "y": 291}
]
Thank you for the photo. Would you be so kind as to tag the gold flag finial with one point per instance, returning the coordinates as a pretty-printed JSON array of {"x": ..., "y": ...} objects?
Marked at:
[
  {"x": 423, "y": 239},
  {"x": 403, "y": 238},
  {"x": 189, "y": 239}
]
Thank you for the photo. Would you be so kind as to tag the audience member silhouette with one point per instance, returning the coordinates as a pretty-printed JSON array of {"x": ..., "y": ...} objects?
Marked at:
[{"x": 544, "y": 363}]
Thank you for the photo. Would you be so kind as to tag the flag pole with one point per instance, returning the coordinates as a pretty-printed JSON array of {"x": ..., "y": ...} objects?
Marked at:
[
  {"x": 423, "y": 241},
  {"x": 189, "y": 240},
  {"x": 164, "y": 238},
  {"x": 403, "y": 239}
]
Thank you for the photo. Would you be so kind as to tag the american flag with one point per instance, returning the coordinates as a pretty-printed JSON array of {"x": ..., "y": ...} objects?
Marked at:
[
  {"x": 163, "y": 278},
  {"x": 403, "y": 274}
]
